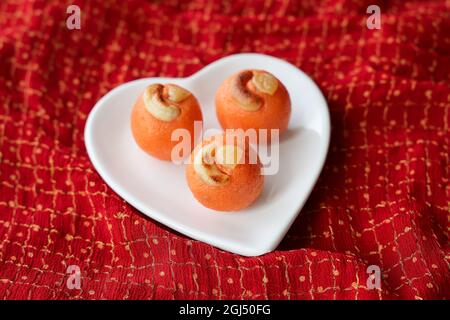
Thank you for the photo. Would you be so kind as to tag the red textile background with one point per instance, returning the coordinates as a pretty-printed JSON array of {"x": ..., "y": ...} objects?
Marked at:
[{"x": 383, "y": 196}]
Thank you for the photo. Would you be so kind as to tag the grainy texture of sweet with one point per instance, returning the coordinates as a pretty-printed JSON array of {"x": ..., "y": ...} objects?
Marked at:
[{"x": 383, "y": 196}]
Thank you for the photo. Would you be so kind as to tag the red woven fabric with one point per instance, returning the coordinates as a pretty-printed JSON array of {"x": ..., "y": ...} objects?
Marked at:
[{"x": 382, "y": 199}]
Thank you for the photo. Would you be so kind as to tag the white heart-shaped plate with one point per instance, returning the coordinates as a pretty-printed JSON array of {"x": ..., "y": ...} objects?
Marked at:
[{"x": 159, "y": 189}]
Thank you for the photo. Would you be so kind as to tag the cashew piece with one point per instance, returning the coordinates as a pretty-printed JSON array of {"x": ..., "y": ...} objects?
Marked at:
[
  {"x": 176, "y": 93},
  {"x": 157, "y": 100},
  {"x": 215, "y": 164},
  {"x": 263, "y": 82}
]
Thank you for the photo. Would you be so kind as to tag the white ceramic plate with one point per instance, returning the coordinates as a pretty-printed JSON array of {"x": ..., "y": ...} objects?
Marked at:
[{"x": 159, "y": 189}]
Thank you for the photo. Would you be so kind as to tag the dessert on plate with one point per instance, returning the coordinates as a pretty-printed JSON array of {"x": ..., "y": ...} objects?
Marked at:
[
  {"x": 160, "y": 110},
  {"x": 253, "y": 99},
  {"x": 224, "y": 173}
]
